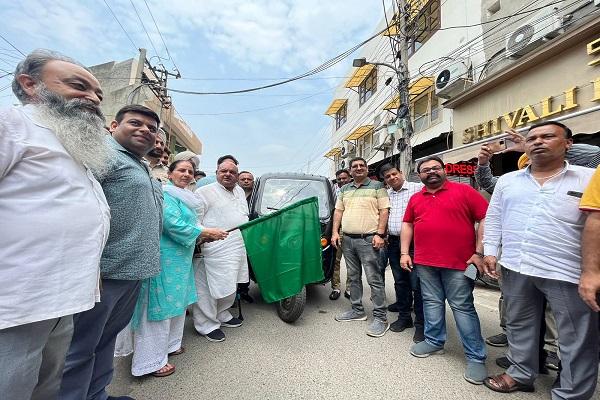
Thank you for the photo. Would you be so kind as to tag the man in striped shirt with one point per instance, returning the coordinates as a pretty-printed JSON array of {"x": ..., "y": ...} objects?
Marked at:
[
  {"x": 406, "y": 284},
  {"x": 362, "y": 210}
]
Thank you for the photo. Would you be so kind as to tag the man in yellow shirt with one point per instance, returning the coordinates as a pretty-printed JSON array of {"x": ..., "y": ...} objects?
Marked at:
[{"x": 589, "y": 283}]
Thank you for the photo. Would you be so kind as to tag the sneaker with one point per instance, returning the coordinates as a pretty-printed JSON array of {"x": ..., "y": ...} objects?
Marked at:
[
  {"x": 232, "y": 323},
  {"x": 475, "y": 373},
  {"x": 503, "y": 362},
  {"x": 400, "y": 325},
  {"x": 498, "y": 340},
  {"x": 351, "y": 316},
  {"x": 335, "y": 294},
  {"x": 424, "y": 349},
  {"x": 215, "y": 336},
  {"x": 419, "y": 335},
  {"x": 346, "y": 294},
  {"x": 552, "y": 360},
  {"x": 393, "y": 307},
  {"x": 378, "y": 328}
]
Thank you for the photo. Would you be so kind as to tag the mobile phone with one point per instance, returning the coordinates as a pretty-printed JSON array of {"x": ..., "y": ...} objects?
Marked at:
[{"x": 472, "y": 272}]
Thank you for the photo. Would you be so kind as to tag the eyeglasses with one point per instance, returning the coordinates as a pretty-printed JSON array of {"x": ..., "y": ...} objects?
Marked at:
[{"x": 428, "y": 170}]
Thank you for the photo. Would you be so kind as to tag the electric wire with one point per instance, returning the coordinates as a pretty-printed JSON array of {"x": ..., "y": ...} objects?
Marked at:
[
  {"x": 121, "y": 25},
  {"x": 161, "y": 37},
  {"x": 12, "y": 45},
  {"x": 145, "y": 30}
]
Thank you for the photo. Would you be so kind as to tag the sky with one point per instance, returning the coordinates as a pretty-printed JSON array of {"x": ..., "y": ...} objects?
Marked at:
[{"x": 217, "y": 46}]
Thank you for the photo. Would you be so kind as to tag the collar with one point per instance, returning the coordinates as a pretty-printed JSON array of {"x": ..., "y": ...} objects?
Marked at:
[
  {"x": 403, "y": 187},
  {"x": 527, "y": 170},
  {"x": 367, "y": 182},
  {"x": 443, "y": 187},
  {"x": 30, "y": 111}
]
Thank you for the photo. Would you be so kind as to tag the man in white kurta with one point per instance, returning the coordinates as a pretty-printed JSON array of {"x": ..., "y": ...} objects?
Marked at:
[{"x": 223, "y": 263}]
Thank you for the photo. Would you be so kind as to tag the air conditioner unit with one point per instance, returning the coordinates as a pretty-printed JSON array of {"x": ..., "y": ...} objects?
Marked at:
[
  {"x": 383, "y": 141},
  {"x": 451, "y": 81},
  {"x": 545, "y": 25},
  {"x": 348, "y": 150}
]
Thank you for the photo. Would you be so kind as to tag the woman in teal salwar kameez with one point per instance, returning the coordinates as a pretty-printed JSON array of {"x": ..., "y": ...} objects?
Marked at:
[{"x": 158, "y": 327}]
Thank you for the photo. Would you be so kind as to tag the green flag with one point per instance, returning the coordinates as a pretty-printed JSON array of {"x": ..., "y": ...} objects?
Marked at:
[{"x": 284, "y": 248}]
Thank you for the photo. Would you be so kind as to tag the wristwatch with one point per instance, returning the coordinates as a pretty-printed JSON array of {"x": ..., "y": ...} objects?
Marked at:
[{"x": 381, "y": 235}]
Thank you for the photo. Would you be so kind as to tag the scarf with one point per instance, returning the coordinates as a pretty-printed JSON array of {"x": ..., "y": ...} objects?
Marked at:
[{"x": 187, "y": 196}]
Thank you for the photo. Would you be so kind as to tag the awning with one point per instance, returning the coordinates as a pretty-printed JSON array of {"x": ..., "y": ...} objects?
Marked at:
[
  {"x": 359, "y": 75},
  {"x": 425, "y": 136},
  {"x": 419, "y": 86},
  {"x": 393, "y": 105},
  {"x": 335, "y": 106},
  {"x": 392, "y": 30},
  {"x": 360, "y": 132},
  {"x": 333, "y": 152}
]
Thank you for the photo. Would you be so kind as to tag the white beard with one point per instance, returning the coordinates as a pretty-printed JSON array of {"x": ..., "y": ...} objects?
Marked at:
[{"x": 79, "y": 126}]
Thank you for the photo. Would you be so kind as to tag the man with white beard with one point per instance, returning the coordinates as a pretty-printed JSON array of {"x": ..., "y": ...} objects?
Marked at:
[{"x": 55, "y": 219}]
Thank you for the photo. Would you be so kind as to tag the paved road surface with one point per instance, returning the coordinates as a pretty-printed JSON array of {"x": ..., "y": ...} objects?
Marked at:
[{"x": 319, "y": 358}]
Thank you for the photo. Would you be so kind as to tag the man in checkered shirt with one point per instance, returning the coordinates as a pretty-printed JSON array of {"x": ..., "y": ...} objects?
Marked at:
[{"x": 406, "y": 284}]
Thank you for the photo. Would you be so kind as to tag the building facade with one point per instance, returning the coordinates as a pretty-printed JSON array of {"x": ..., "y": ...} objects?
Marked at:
[
  {"x": 440, "y": 38},
  {"x": 130, "y": 82},
  {"x": 542, "y": 65}
]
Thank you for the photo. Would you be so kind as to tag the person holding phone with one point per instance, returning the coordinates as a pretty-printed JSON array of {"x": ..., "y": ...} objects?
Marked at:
[
  {"x": 534, "y": 216},
  {"x": 441, "y": 218}
]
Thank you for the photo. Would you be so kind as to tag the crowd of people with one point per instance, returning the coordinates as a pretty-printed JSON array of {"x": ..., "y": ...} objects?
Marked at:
[
  {"x": 113, "y": 240},
  {"x": 537, "y": 236}
]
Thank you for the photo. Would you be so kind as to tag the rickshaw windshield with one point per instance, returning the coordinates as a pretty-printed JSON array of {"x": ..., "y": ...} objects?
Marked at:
[{"x": 278, "y": 193}]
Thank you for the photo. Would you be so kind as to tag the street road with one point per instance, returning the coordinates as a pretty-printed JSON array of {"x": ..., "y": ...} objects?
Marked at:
[{"x": 319, "y": 358}]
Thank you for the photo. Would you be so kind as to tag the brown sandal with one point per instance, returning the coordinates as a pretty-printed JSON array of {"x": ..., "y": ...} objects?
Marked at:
[
  {"x": 168, "y": 371},
  {"x": 498, "y": 383},
  {"x": 181, "y": 350}
]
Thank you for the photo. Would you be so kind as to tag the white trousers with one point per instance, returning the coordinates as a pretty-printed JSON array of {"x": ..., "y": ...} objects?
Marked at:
[
  {"x": 150, "y": 343},
  {"x": 208, "y": 312}
]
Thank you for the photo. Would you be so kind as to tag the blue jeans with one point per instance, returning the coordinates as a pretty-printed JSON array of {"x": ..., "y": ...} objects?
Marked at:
[
  {"x": 439, "y": 285},
  {"x": 406, "y": 284},
  {"x": 360, "y": 255}
]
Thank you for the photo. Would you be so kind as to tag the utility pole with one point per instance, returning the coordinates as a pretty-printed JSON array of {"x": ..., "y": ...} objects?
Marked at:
[{"x": 403, "y": 111}]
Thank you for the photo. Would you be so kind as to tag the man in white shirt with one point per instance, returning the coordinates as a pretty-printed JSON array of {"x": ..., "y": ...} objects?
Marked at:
[
  {"x": 223, "y": 264},
  {"x": 55, "y": 218},
  {"x": 534, "y": 215},
  {"x": 406, "y": 284}
]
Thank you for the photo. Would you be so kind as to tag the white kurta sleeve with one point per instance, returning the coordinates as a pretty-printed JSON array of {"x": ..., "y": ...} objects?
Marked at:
[{"x": 11, "y": 151}]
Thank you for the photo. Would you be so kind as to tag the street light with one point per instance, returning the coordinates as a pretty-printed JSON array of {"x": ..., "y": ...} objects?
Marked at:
[{"x": 402, "y": 112}]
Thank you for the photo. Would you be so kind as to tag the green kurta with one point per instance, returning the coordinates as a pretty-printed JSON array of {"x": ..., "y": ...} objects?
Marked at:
[{"x": 173, "y": 289}]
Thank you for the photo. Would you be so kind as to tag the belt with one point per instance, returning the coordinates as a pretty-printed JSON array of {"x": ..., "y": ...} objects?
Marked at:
[{"x": 358, "y": 235}]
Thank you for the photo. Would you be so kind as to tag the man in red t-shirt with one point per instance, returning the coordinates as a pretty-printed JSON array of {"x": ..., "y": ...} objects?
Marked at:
[{"x": 441, "y": 218}]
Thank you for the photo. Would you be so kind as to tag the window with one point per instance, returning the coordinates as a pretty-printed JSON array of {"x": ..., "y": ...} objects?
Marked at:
[
  {"x": 364, "y": 145},
  {"x": 341, "y": 116},
  {"x": 425, "y": 110},
  {"x": 367, "y": 88},
  {"x": 424, "y": 24}
]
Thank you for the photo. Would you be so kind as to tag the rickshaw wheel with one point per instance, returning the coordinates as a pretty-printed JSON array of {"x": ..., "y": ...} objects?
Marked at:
[{"x": 291, "y": 308}]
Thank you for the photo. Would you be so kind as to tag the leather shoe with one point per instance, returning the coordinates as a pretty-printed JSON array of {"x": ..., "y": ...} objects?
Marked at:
[
  {"x": 346, "y": 294},
  {"x": 401, "y": 325},
  {"x": 335, "y": 294}
]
